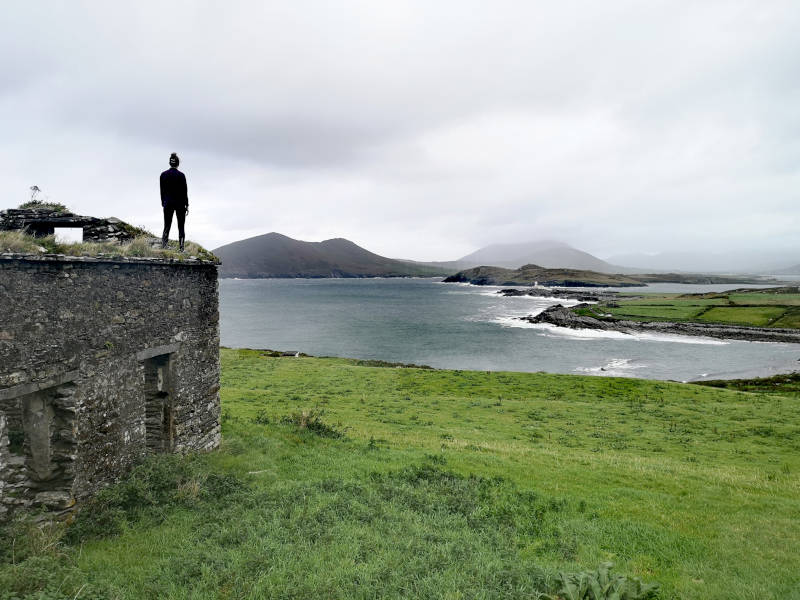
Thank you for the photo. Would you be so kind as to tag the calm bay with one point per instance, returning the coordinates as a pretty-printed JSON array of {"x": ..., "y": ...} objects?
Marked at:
[{"x": 458, "y": 326}]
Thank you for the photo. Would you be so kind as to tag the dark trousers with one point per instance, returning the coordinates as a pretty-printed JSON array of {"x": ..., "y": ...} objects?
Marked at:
[{"x": 180, "y": 212}]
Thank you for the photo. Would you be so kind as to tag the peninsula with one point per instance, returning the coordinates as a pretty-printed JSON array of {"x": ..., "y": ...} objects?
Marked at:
[
  {"x": 537, "y": 275},
  {"x": 762, "y": 315}
]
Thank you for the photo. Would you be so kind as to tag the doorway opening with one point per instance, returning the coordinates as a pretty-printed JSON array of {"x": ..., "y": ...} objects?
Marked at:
[{"x": 159, "y": 416}]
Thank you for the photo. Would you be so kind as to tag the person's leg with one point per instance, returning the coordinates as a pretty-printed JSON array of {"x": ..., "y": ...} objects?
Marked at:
[
  {"x": 167, "y": 225},
  {"x": 181, "y": 214}
]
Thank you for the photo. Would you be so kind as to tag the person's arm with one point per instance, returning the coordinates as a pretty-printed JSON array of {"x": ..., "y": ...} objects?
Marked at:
[
  {"x": 185, "y": 192},
  {"x": 161, "y": 184}
]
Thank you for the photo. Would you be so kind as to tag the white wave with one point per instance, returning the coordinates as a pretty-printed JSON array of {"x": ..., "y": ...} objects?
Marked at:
[
  {"x": 478, "y": 290},
  {"x": 509, "y": 321},
  {"x": 599, "y": 334},
  {"x": 615, "y": 367},
  {"x": 543, "y": 300},
  {"x": 555, "y": 300},
  {"x": 505, "y": 314}
]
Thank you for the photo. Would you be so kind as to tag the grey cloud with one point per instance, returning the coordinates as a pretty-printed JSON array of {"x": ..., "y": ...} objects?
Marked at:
[{"x": 418, "y": 129}]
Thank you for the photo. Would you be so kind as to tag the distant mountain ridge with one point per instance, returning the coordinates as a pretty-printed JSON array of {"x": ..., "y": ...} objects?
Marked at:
[
  {"x": 550, "y": 254},
  {"x": 793, "y": 270},
  {"x": 740, "y": 261},
  {"x": 274, "y": 255},
  {"x": 545, "y": 253}
]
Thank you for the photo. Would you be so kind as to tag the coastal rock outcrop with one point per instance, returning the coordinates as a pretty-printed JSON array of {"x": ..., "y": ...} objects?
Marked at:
[
  {"x": 539, "y": 276},
  {"x": 580, "y": 296},
  {"x": 562, "y": 316}
]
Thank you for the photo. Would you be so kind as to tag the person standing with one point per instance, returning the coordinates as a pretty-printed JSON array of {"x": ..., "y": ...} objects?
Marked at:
[{"x": 174, "y": 199}]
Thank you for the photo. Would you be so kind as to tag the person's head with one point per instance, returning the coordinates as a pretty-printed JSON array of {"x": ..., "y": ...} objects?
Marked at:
[{"x": 174, "y": 161}]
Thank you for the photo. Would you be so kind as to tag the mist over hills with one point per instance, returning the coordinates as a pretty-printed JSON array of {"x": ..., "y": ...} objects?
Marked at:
[
  {"x": 545, "y": 253},
  {"x": 551, "y": 254},
  {"x": 555, "y": 254},
  {"x": 710, "y": 262},
  {"x": 277, "y": 255},
  {"x": 793, "y": 270}
]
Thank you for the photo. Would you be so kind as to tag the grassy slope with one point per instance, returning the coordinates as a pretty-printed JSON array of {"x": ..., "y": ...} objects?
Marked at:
[
  {"x": 694, "y": 487},
  {"x": 762, "y": 308}
]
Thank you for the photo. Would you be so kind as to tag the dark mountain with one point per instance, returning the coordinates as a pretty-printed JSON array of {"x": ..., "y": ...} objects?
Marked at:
[{"x": 276, "y": 255}]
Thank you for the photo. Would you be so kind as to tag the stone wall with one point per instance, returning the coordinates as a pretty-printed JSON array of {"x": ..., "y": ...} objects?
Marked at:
[
  {"x": 4, "y": 457},
  {"x": 101, "y": 361}
]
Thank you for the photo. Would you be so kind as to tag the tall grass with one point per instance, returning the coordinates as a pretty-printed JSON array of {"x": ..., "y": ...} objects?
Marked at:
[
  {"x": 54, "y": 206},
  {"x": 18, "y": 242}
]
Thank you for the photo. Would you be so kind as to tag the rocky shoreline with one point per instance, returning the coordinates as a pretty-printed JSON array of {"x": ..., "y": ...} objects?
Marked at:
[
  {"x": 562, "y": 316},
  {"x": 581, "y": 296}
]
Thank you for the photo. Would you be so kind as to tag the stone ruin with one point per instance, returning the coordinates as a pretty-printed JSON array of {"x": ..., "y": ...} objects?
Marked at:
[
  {"x": 43, "y": 221},
  {"x": 102, "y": 361}
]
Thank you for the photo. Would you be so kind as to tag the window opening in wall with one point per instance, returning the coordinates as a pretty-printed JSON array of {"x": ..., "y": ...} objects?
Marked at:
[
  {"x": 41, "y": 436},
  {"x": 69, "y": 235},
  {"x": 159, "y": 417},
  {"x": 16, "y": 436}
]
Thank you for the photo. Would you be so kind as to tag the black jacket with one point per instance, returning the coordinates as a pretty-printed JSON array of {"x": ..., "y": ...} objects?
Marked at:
[{"x": 173, "y": 189}]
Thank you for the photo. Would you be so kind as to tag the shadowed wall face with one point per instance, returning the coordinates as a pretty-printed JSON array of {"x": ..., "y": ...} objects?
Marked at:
[{"x": 101, "y": 362}]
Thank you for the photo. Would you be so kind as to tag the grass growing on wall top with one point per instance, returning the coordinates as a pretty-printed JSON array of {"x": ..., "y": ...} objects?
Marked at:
[
  {"x": 53, "y": 206},
  {"x": 446, "y": 484},
  {"x": 21, "y": 243}
]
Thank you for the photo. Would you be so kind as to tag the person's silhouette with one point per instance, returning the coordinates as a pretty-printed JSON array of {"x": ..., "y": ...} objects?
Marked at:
[{"x": 174, "y": 198}]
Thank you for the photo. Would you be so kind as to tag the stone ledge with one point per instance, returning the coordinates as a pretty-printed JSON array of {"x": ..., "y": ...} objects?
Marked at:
[
  {"x": 28, "y": 388},
  {"x": 190, "y": 261},
  {"x": 157, "y": 351}
]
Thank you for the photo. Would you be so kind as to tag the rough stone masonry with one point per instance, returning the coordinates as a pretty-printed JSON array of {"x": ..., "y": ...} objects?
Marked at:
[
  {"x": 102, "y": 360},
  {"x": 44, "y": 221}
]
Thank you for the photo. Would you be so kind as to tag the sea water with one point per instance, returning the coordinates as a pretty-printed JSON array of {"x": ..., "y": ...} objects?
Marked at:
[{"x": 461, "y": 326}]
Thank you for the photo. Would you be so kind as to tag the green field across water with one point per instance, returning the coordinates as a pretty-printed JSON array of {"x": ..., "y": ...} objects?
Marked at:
[
  {"x": 770, "y": 307},
  {"x": 346, "y": 479}
]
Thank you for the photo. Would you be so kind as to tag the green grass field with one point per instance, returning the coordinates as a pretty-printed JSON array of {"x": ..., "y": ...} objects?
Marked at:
[
  {"x": 757, "y": 308},
  {"x": 414, "y": 483},
  {"x": 758, "y": 316},
  {"x": 766, "y": 297},
  {"x": 664, "y": 312}
]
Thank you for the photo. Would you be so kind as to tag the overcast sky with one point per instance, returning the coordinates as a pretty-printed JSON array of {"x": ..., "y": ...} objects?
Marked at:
[{"x": 419, "y": 130}]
